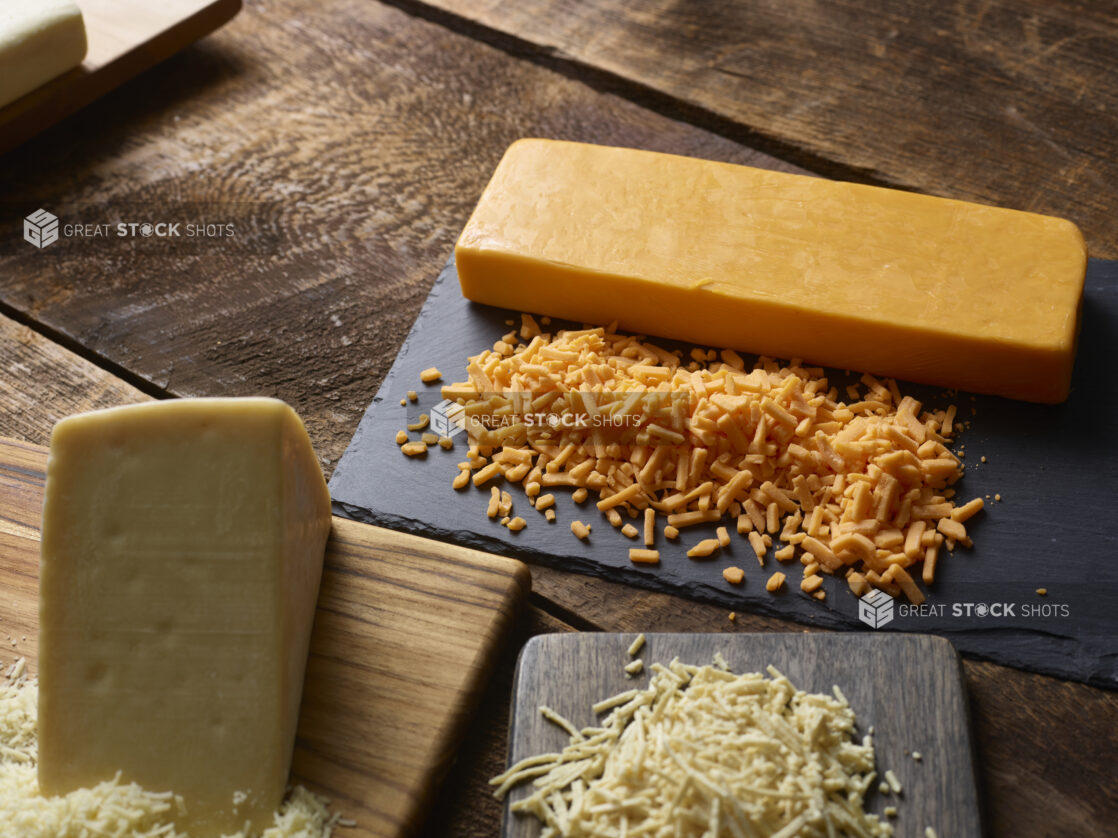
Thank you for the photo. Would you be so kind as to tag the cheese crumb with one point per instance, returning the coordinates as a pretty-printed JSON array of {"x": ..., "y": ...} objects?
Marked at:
[
  {"x": 733, "y": 575},
  {"x": 775, "y": 583},
  {"x": 580, "y": 529}
]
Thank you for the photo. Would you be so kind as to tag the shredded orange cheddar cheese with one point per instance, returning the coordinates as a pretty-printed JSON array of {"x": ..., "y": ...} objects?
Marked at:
[{"x": 858, "y": 482}]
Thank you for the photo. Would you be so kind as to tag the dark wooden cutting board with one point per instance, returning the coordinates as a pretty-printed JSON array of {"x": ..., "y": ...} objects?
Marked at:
[
  {"x": 405, "y": 635},
  {"x": 1055, "y": 467},
  {"x": 908, "y": 687}
]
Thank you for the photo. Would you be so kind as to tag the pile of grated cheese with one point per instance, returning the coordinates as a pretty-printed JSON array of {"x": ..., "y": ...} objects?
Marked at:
[
  {"x": 110, "y": 809},
  {"x": 856, "y": 484},
  {"x": 704, "y": 752}
]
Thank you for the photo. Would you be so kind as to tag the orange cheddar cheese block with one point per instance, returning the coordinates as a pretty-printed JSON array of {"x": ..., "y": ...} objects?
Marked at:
[{"x": 856, "y": 277}]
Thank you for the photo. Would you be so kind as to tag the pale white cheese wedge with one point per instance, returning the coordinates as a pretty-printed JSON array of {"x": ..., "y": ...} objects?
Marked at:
[
  {"x": 182, "y": 549},
  {"x": 39, "y": 39}
]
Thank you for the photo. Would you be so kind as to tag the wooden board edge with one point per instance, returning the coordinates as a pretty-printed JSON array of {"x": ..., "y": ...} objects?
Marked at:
[
  {"x": 500, "y": 632},
  {"x": 507, "y": 581},
  {"x": 520, "y": 578},
  {"x": 59, "y": 98}
]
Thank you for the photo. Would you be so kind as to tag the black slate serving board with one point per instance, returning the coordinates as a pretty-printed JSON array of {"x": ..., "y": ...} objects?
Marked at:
[
  {"x": 1055, "y": 467},
  {"x": 909, "y": 688}
]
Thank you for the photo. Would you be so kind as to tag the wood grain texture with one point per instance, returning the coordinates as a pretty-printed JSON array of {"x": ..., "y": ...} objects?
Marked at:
[
  {"x": 906, "y": 687},
  {"x": 346, "y": 140},
  {"x": 405, "y": 635},
  {"x": 41, "y": 382},
  {"x": 352, "y": 142},
  {"x": 1011, "y": 102},
  {"x": 125, "y": 38}
]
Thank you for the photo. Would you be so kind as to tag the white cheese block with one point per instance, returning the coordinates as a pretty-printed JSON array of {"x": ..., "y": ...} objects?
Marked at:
[
  {"x": 39, "y": 39},
  {"x": 181, "y": 556}
]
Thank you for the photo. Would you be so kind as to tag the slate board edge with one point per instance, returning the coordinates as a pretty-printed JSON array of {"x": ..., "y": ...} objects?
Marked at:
[
  {"x": 827, "y": 620},
  {"x": 383, "y": 394}
]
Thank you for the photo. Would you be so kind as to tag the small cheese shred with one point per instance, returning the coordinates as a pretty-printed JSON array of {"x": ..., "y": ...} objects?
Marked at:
[
  {"x": 705, "y": 752},
  {"x": 642, "y": 555},
  {"x": 893, "y": 782},
  {"x": 112, "y": 809},
  {"x": 636, "y": 645}
]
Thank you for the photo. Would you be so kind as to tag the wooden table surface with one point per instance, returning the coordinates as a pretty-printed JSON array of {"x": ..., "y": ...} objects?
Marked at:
[{"x": 349, "y": 139}]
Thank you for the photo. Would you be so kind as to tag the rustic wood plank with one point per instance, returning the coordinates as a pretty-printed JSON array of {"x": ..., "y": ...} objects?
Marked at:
[
  {"x": 406, "y": 633},
  {"x": 906, "y": 688},
  {"x": 347, "y": 181},
  {"x": 1039, "y": 740},
  {"x": 356, "y": 176},
  {"x": 41, "y": 382},
  {"x": 1012, "y": 102}
]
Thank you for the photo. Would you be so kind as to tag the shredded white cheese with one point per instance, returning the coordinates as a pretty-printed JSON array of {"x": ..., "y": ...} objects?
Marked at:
[
  {"x": 111, "y": 809},
  {"x": 636, "y": 646},
  {"x": 704, "y": 752}
]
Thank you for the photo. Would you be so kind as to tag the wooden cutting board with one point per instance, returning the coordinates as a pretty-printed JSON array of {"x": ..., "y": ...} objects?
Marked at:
[
  {"x": 125, "y": 38},
  {"x": 404, "y": 638},
  {"x": 908, "y": 687}
]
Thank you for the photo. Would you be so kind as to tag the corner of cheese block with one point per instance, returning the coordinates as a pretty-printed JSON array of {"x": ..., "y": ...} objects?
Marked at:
[
  {"x": 526, "y": 145},
  {"x": 182, "y": 550}
]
